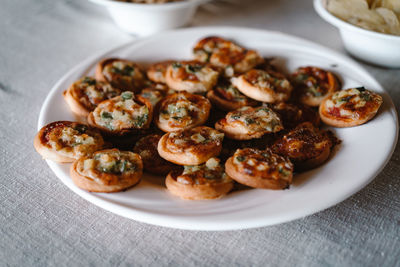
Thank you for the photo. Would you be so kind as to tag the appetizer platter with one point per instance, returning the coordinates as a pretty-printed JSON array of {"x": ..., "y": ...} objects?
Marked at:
[{"x": 217, "y": 129}]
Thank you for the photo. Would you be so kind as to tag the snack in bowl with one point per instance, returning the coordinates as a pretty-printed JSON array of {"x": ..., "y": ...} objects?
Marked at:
[{"x": 107, "y": 171}]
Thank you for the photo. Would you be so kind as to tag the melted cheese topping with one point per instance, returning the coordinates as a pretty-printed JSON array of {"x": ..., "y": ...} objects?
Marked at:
[
  {"x": 210, "y": 172},
  {"x": 121, "y": 112},
  {"x": 256, "y": 119}
]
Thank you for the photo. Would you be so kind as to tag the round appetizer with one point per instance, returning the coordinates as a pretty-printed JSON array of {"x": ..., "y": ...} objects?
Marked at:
[
  {"x": 260, "y": 169},
  {"x": 293, "y": 114},
  {"x": 121, "y": 115},
  {"x": 249, "y": 122},
  {"x": 306, "y": 146},
  {"x": 182, "y": 111},
  {"x": 120, "y": 73},
  {"x": 206, "y": 181},
  {"x": 84, "y": 95},
  {"x": 265, "y": 86},
  {"x": 157, "y": 71},
  {"x": 350, "y": 107},
  {"x": 65, "y": 141},
  {"x": 314, "y": 84},
  {"x": 107, "y": 171},
  {"x": 192, "y": 146},
  {"x": 226, "y": 55},
  {"x": 146, "y": 147},
  {"x": 191, "y": 76},
  {"x": 227, "y": 97}
]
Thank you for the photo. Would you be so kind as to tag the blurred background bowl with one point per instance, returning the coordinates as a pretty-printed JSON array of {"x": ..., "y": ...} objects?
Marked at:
[
  {"x": 146, "y": 19},
  {"x": 373, "y": 47}
]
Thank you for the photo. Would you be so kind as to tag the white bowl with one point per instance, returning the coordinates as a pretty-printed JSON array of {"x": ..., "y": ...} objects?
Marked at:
[
  {"x": 374, "y": 47},
  {"x": 146, "y": 19}
]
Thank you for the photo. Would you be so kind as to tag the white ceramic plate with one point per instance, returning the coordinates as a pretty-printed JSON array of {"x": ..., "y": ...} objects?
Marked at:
[{"x": 363, "y": 153}]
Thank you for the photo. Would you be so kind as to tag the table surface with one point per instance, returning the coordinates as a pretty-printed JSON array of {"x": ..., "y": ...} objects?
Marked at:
[{"x": 42, "y": 222}]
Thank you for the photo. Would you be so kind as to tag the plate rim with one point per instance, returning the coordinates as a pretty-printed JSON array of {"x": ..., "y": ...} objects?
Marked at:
[{"x": 172, "y": 221}]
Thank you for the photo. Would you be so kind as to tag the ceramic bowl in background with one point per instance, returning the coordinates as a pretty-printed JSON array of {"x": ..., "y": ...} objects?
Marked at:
[
  {"x": 373, "y": 47},
  {"x": 146, "y": 19}
]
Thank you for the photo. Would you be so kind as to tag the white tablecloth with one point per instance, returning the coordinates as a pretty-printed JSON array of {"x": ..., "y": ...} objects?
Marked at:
[{"x": 44, "y": 223}]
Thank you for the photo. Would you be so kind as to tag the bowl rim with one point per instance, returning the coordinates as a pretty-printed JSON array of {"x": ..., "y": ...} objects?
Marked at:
[
  {"x": 339, "y": 23},
  {"x": 170, "y": 5}
]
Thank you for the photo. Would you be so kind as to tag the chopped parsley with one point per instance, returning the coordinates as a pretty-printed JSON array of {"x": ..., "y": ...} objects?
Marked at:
[
  {"x": 141, "y": 120},
  {"x": 240, "y": 158},
  {"x": 193, "y": 68},
  {"x": 106, "y": 115},
  {"x": 127, "y": 95},
  {"x": 176, "y": 65},
  {"x": 89, "y": 81}
]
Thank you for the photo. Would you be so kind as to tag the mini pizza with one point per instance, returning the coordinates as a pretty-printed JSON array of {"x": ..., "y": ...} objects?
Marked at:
[
  {"x": 260, "y": 169},
  {"x": 293, "y": 114},
  {"x": 206, "y": 181},
  {"x": 107, "y": 171},
  {"x": 265, "y": 86},
  {"x": 224, "y": 54},
  {"x": 350, "y": 107},
  {"x": 146, "y": 147},
  {"x": 306, "y": 146},
  {"x": 249, "y": 122},
  {"x": 157, "y": 71},
  {"x": 84, "y": 95},
  {"x": 227, "y": 97},
  {"x": 120, "y": 73},
  {"x": 192, "y": 146},
  {"x": 152, "y": 95},
  {"x": 121, "y": 115},
  {"x": 191, "y": 76},
  {"x": 314, "y": 84},
  {"x": 182, "y": 111},
  {"x": 65, "y": 141}
]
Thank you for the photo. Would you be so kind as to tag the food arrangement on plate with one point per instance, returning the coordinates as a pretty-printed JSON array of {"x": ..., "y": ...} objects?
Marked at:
[{"x": 227, "y": 116}]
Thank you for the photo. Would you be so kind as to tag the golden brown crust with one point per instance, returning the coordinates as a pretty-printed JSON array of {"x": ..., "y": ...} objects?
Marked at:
[
  {"x": 306, "y": 146},
  {"x": 227, "y": 55},
  {"x": 98, "y": 180},
  {"x": 350, "y": 107},
  {"x": 146, "y": 147},
  {"x": 114, "y": 117},
  {"x": 84, "y": 95},
  {"x": 157, "y": 71},
  {"x": 120, "y": 73},
  {"x": 260, "y": 169},
  {"x": 248, "y": 123},
  {"x": 228, "y": 98},
  {"x": 197, "y": 191},
  {"x": 65, "y": 141},
  {"x": 313, "y": 84},
  {"x": 265, "y": 86},
  {"x": 182, "y": 111},
  {"x": 190, "y": 147},
  {"x": 191, "y": 76}
]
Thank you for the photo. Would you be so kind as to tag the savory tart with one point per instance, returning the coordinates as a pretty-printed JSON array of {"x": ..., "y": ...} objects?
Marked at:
[
  {"x": 192, "y": 146},
  {"x": 121, "y": 115},
  {"x": 206, "y": 181},
  {"x": 306, "y": 146},
  {"x": 350, "y": 107},
  {"x": 224, "y": 54},
  {"x": 265, "y": 86},
  {"x": 84, "y": 95},
  {"x": 249, "y": 122},
  {"x": 107, "y": 171},
  {"x": 120, "y": 73},
  {"x": 293, "y": 114},
  {"x": 260, "y": 169},
  {"x": 182, "y": 111},
  {"x": 157, "y": 71},
  {"x": 65, "y": 141},
  {"x": 146, "y": 147},
  {"x": 314, "y": 84},
  {"x": 227, "y": 97},
  {"x": 191, "y": 76}
]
